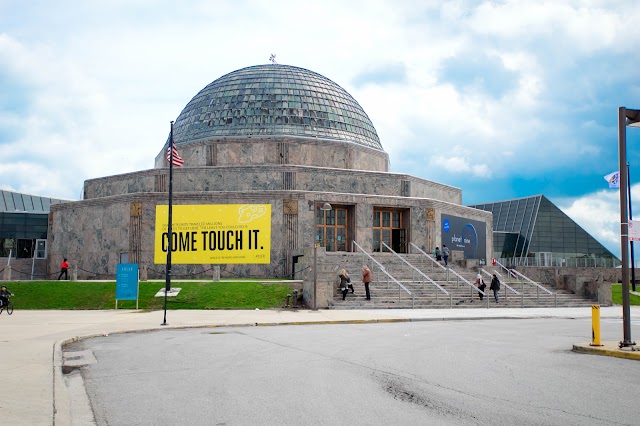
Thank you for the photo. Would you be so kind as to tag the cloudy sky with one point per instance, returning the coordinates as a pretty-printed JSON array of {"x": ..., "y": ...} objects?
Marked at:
[{"x": 502, "y": 99}]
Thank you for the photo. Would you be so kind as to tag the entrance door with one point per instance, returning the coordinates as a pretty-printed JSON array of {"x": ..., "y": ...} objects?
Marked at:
[
  {"x": 544, "y": 258},
  {"x": 41, "y": 249},
  {"x": 398, "y": 240},
  {"x": 24, "y": 249},
  {"x": 388, "y": 228}
]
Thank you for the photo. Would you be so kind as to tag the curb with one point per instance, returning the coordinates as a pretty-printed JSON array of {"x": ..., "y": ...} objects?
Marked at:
[{"x": 586, "y": 348}]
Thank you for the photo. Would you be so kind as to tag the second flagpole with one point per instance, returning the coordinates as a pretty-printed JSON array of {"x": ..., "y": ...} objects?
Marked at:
[{"x": 167, "y": 287}]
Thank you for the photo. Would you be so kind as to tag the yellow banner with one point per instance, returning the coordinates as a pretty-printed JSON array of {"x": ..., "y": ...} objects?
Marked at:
[{"x": 214, "y": 233}]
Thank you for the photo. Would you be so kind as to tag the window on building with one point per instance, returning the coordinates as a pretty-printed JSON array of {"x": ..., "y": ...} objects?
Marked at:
[{"x": 331, "y": 229}]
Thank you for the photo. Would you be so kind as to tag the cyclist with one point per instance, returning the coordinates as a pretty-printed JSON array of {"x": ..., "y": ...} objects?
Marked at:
[{"x": 4, "y": 294}]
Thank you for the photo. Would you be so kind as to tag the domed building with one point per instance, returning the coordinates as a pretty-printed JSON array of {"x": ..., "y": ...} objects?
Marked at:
[
  {"x": 286, "y": 142},
  {"x": 269, "y": 105}
]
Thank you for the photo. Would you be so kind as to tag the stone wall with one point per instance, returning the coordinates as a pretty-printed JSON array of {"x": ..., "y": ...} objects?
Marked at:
[
  {"x": 273, "y": 178},
  {"x": 590, "y": 283},
  {"x": 93, "y": 234},
  {"x": 234, "y": 151}
]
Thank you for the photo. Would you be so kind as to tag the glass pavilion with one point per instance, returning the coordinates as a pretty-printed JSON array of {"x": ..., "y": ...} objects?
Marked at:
[{"x": 535, "y": 232}]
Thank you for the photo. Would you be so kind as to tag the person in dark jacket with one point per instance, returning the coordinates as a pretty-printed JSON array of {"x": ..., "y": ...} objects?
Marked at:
[
  {"x": 445, "y": 254},
  {"x": 495, "y": 286},
  {"x": 345, "y": 281},
  {"x": 4, "y": 295},
  {"x": 366, "y": 279}
]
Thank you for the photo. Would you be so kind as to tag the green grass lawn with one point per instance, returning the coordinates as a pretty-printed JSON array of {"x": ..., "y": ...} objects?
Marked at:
[
  {"x": 616, "y": 295},
  {"x": 101, "y": 295}
]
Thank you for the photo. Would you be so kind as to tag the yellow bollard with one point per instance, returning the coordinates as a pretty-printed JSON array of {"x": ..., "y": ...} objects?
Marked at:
[{"x": 595, "y": 325}]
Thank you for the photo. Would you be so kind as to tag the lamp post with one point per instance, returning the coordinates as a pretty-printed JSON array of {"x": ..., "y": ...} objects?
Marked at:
[
  {"x": 325, "y": 207},
  {"x": 626, "y": 117}
]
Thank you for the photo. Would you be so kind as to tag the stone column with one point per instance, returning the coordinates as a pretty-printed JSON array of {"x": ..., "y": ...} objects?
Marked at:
[
  {"x": 604, "y": 294},
  {"x": 7, "y": 273},
  {"x": 215, "y": 275},
  {"x": 74, "y": 273}
]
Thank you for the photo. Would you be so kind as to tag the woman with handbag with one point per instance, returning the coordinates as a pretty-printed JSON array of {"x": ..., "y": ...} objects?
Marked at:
[{"x": 345, "y": 283}]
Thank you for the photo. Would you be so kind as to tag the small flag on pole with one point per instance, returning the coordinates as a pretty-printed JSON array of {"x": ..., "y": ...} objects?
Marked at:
[
  {"x": 177, "y": 160},
  {"x": 613, "y": 179},
  {"x": 634, "y": 230}
]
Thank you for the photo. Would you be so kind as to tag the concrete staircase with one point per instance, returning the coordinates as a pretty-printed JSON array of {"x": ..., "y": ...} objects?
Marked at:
[
  {"x": 21, "y": 269},
  {"x": 385, "y": 293}
]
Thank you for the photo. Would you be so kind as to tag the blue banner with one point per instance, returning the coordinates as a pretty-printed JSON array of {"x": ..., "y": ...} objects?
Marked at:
[
  {"x": 465, "y": 235},
  {"x": 127, "y": 281}
]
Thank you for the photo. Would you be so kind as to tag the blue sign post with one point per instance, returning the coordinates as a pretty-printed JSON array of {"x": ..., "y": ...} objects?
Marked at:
[{"x": 127, "y": 282}]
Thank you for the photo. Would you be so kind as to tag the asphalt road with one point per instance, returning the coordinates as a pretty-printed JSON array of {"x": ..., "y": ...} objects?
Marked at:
[{"x": 485, "y": 372}]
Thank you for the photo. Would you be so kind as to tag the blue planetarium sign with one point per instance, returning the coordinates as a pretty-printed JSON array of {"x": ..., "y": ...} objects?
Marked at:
[{"x": 465, "y": 235}]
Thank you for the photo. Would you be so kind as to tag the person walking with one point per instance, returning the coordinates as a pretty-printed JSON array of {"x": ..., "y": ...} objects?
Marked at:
[
  {"x": 437, "y": 255},
  {"x": 481, "y": 286},
  {"x": 495, "y": 286},
  {"x": 366, "y": 279},
  {"x": 64, "y": 266},
  {"x": 445, "y": 254},
  {"x": 344, "y": 283}
]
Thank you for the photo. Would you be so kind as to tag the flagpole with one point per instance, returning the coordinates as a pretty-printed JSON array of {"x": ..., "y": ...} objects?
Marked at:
[
  {"x": 633, "y": 263},
  {"x": 167, "y": 287}
]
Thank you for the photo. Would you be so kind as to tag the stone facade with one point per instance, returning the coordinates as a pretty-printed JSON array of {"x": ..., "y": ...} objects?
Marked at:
[
  {"x": 95, "y": 232},
  {"x": 338, "y": 160},
  {"x": 304, "y": 151}
]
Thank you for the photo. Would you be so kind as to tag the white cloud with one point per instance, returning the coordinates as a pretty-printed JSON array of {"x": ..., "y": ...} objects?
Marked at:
[
  {"x": 599, "y": 214},
  {"x": 104, "y": 83}
]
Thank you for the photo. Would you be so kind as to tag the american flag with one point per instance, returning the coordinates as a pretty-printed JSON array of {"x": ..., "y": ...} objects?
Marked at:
[{"x": 177, "y": 160}]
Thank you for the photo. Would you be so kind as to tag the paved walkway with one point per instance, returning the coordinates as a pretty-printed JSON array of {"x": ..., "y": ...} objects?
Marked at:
[{"x": 30, "y": 342}]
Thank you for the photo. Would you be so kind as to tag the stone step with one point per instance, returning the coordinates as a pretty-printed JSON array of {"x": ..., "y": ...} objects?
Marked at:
[{"x": 386, "y": 294}]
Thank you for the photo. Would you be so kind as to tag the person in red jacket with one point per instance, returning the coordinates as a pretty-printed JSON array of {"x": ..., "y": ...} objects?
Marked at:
[
  {"x": 366, "y": 279},
  {"x": 64, "y": 265}
]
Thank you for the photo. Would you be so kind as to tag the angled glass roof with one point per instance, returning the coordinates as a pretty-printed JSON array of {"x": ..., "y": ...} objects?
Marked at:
[
  {"x": 13, "y": 202},
  {"x": 537, "y": 225},
  {"x": 275, "y": 100}
]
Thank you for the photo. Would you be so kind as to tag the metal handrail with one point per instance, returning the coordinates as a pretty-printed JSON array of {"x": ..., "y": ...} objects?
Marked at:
[
  {"x": 506, "y": 286},
  {"x": 529, "y": 280},
  {"x": 420, "y": 272},
  {"x": 501, "y": 282},
  {"x": 460, "y": 277},
  {"x": 507, "y": 270},
  {"x": 538, "y": 287},
  {"x": 382, "y": 269},
  {"x": 428, "y": 256}
]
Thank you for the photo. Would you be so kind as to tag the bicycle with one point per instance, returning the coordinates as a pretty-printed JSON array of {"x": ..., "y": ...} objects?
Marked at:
[{"x": 8, "y": 306}]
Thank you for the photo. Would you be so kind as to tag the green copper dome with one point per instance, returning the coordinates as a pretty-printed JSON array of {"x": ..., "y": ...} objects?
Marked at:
[{"x": 275, "y": 100}]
